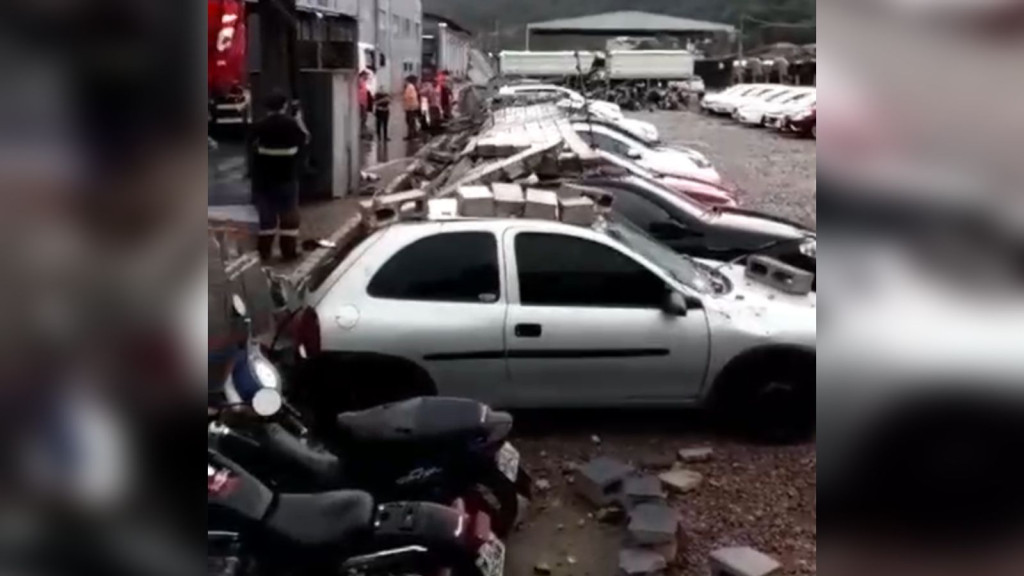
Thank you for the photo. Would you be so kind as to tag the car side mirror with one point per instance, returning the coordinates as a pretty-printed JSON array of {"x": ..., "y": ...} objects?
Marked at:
[
  {"x": 634, "y": 154},
  {"x": 675, "y": 304}
]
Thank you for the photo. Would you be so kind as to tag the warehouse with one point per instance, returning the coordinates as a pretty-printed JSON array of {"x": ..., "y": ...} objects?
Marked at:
[
  {"x": 446, "y": 45},
  {"x": 395, "y": 27},
  {"x": 595, "y": 31}
]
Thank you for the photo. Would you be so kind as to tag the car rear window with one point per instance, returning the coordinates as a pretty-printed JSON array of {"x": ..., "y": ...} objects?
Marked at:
[{"x": 450, "y": 267}]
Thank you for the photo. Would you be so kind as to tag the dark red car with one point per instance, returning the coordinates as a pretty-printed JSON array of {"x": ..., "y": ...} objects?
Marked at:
[{"x": 804, "y": 123}]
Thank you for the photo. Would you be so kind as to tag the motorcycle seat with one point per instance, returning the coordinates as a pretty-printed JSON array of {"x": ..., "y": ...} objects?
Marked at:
[
  {"x": 427, "y": 419},
  {"x": 329, "y": 519}
]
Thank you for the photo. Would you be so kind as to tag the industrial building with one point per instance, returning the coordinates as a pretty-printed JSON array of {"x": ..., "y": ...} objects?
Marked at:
[
  {"x": 446, "y": 45},
  {"x": 395, "y": 28},
  {"x": 595, "y": 31}
]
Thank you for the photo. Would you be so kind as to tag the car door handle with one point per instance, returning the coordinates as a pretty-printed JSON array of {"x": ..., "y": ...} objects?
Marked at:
[{"x": 528, "y": 330}]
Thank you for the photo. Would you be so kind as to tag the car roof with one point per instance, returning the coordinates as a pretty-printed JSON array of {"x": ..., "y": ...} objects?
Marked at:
[{"x": 493, "y": 225}]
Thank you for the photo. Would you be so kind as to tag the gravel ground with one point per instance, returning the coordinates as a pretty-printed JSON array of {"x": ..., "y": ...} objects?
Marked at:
[
  {"x": 776, "y": 172},
  {"x": 758, "y": 496}
]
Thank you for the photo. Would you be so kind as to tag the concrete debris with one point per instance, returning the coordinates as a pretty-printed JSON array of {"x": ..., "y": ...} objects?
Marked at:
[
  {"x": 681, "y": 481},
  {"x": 613, "y": 515},
  {"x": 509, "y": 200},
  {"x": 642, "y": 490},
  {"x": 694, "y": 455},
  {"x": 475, "y": 202},
  {"x": 543, "y": 569},
  {"x": 541, "y": 204},
  {"x": 596, "y": 439},
  {"x": 652, "y": 524},
  {"x": 600, "y": 480},
  {"x": 570, "y": 560},
  {"x": 657, "y": 461},
  {"x": 742, "y": 562},
  {"x": 641, "y": 562},
  {"x": 578, "y": 211},
  {"x": 543, "y": 485}
]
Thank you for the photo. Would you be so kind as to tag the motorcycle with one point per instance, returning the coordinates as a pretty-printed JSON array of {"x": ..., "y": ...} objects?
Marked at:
[
  {"x": 438, "y": 449},
  {"x": 252, "y": 530}
]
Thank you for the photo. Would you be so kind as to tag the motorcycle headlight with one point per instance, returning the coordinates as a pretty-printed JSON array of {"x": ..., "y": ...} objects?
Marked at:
[{"x": 267, "y": 400}]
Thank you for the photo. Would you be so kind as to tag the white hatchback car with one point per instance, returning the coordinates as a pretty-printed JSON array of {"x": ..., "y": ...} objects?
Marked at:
[{"x": 729, "y": 104}]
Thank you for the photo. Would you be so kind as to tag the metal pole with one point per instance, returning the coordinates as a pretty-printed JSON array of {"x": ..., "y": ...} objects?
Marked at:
[{"x": 527, "y": 37}]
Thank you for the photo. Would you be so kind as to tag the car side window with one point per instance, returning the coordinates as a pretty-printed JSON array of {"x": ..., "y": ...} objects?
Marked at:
[
  {"x": 557, "y": 270},
  {"x": 453, "y": 267},
  {"x": 638, "y": 210},
  {"x": 603, "y": 141}
]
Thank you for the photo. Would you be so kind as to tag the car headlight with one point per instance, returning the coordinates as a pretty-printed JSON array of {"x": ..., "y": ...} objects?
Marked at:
[
  {"x": 799, "y": 116},
  {"x": 809, "y": 248}
]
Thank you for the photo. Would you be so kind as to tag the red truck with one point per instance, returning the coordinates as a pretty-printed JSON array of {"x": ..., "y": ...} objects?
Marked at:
[{"x": 227, "y": 75}]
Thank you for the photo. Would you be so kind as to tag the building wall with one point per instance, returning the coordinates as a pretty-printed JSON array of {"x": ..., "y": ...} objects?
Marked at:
[{"x": 398, "y": 31}]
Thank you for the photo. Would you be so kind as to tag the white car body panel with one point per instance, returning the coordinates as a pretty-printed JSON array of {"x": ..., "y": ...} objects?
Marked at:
[
  {"x": 663, "y": 161},
  {"x": 512, "y": 372},
  {"x": 756, "y": 113}
]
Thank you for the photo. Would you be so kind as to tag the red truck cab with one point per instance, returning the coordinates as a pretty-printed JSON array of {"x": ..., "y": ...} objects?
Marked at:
[{"x": 227, "y": 74}]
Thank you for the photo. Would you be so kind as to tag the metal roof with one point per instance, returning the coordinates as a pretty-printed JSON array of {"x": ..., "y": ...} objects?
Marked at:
[{"x": 630, "y": 20}]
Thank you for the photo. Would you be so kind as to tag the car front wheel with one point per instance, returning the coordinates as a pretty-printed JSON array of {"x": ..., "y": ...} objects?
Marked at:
[{"x": 771, "y": 401}]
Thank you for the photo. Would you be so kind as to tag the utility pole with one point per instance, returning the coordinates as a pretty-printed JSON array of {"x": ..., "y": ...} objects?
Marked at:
[
  {"x": 743, "y": 30},
  {"x": 278, "y": 67}
]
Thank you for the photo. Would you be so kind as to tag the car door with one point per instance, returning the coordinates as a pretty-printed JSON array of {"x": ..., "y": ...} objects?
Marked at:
[
  {"x": 438, "y": 302},
  {"x": 586, "y": 327}
]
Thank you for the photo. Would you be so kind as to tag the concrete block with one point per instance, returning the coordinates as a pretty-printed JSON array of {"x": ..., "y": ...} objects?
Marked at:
[
  {"x": 681, "y": 481},
  {"x": 640, "y": 562},
  {"x": 742, "y": 562},
  {"x": 509, "y": 200},
  {"x": 652, "y": 524},
  {"x": 475, "y": 202},
  {"x": 637, "y": 490},
  {"x": 778, "y": 274},
  {"x": 541, "y": 204},
  {"x": 442, "y": 209},
  {"x": 693, "y": 455},
  {"x": 578, "y": 211},
  {"x": 601, "y": 480}
]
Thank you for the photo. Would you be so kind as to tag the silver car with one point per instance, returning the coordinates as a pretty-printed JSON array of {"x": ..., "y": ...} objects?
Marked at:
[{"x": 533, "y": 313}]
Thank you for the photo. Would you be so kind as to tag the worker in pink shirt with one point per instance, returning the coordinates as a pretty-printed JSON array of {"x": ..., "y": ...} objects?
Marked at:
[{"x": 364, "y": 100}]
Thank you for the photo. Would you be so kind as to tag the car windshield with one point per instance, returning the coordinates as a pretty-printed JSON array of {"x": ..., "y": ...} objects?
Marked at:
[
  {"x": 678, "y": 266},
  {"x": 648, "y": 178},
  {"x": 778, "y": 96}
]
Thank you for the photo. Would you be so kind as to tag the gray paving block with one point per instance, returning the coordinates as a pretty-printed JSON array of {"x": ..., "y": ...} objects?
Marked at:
[
  {"x": 578, "y": 211},
  {"x": 638, "y": 490},
  {"x": 601, "y": 480},
  {"x": 691, "y": 455},
  {"x": 681, "y": 481},
  {"x": 742, "y": 561},
  {"x": 652, "y": 524},
  {"x": 475, "y": 202},
  {"x": 641, "y": 562}
]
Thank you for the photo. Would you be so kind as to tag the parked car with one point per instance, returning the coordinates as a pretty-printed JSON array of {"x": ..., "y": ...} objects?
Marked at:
[
  {"x": 756, "y": 113},
  {"x": 692, "y": 228},
  {"x": 593, "y": 112},
  {"x": 710, "y": 195},
  {"x": 540, "y": 314},
  {"x": 554, "y": 91},
  {"x": 658, "y": 159},
  {"x": 726, "y": 101},
  {"x": 804, "y": 123}
]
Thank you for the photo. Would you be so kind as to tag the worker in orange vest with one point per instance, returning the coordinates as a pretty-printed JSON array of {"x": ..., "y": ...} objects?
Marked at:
[{"x": 411, "y": 104}]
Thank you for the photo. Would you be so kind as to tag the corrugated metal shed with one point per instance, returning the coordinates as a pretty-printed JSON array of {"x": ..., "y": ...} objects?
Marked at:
[{"x": 630, "y": 20}]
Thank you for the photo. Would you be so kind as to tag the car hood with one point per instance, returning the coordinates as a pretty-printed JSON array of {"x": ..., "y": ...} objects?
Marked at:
[
  {"x": 763, "y": 311},
  {"x": 675, "y": 163},
  {"x": 747, "y": 220}
]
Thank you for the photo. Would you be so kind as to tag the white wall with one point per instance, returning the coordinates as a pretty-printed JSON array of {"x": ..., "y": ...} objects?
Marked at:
[{"x": 401, "y": 25}]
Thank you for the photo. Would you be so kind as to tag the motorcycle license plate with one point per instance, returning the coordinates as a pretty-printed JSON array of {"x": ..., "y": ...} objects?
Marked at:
[
  {"x": 508, "y": 461},
  {"x": 491, "y": 558}
]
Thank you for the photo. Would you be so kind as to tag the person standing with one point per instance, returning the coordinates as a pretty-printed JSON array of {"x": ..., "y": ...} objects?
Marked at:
[
  {"x": 277, "y": 141},
  {"x": 411, "y": 103},
  {"x": 432, "y": 107},
  {"x": 364, "y": 97},
  {"x": 445, "y": 92},
  {"x": 382, "y": 111}
]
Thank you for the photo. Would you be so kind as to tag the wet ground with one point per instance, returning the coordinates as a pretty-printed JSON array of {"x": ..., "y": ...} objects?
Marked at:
[{"x": 760, "y": 496}]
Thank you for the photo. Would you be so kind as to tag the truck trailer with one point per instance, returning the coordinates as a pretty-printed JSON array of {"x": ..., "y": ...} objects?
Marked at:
[
  {"x": 650, "y": 65},
  {"x": 545, "y": 64}
]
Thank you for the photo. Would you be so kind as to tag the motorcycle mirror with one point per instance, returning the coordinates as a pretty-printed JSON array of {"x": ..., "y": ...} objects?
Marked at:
[{"x": 238, "y": 306}]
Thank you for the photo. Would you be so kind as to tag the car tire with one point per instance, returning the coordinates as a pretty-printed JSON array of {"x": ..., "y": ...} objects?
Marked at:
[
  {"x": 343, "y": 383},
  {"x": 771, "y": 401}
]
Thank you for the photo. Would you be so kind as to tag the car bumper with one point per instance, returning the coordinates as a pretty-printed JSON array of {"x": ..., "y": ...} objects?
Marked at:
[{"x": 748, "y": 117}]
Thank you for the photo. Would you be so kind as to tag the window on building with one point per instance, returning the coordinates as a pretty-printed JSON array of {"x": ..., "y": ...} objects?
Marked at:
[
  {"x": 455, "y": 267},
  {"x": 382, "y": 20},
  {"x": 557, "y": 270},
  {"x": 406, "y": 27},
  {"x": 395, "y": 25},
  {"x": 418, "y": 33}
]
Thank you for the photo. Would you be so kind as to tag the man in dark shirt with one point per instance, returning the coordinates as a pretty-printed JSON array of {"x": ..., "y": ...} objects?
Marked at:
[{"x": 277, "y": 141}]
